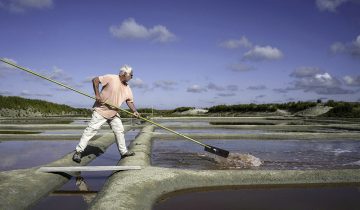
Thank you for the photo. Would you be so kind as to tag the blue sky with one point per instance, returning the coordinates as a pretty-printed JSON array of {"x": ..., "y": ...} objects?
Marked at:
[{"x": 185, "y": 53}]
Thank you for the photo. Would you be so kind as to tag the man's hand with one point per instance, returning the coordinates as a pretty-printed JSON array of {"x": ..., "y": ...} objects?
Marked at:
[
  {"x": 136, "y": 114},
  {"x": 98, "y": 99}
]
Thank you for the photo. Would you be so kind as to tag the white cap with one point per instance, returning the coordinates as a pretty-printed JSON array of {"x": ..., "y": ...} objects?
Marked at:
[{"x": 126, "y": 68}]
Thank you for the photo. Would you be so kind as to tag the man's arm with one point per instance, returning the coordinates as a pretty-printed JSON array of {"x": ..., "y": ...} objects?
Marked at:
[
  {"x": 96, "y": 83},
  {"x": 132, "y": 107}
]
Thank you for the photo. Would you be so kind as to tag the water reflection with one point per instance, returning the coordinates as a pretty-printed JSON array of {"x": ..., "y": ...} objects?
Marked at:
[
  {"x": 274, "y": 198},
  {"x": 101, "y": 131},
  {"x": 213, "y": 131},
  {"x": 170, "y": 123},
  {"x": 26, "y": 154},
  {"x": 83, "y": 186},
  {"x": 86, "y": 184},
  {"x": 37, "y": 121}
]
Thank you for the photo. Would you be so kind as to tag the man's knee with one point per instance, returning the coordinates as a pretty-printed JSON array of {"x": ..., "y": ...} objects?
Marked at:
[
  {"x": 90, "y": 129},
  {"x": 118, "y": 129},
  {"x": 117, "y": 126}
]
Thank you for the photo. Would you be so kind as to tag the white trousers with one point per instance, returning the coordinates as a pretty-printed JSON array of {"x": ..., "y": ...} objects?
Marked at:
[{"x": 94, "y": 125}]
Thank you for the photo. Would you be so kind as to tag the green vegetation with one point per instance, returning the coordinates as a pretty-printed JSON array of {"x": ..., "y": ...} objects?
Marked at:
[
  {"x": 183, "y": 109},
  {"x": 148, "y": 112},
  {"x": 241, "y": 123},
  {"x": 40, "y": 106},
  {"x": 339, "y": 108},
  {"x": 44, "y": 108},
  {"x": 343, "y": 109},
  {"x": 296, "y": 106},
  {"x": 243, "y": 108},
  {"x": 291, "y": 107}
]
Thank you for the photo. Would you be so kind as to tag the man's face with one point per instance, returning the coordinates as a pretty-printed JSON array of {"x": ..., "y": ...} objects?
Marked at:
[{"x": 128, "y": 77}]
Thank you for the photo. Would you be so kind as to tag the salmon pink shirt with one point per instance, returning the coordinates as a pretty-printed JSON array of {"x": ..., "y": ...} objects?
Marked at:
[{"x": 113, "y": 92}]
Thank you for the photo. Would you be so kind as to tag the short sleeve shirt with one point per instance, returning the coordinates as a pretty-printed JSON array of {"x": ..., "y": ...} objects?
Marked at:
[{"x": 113, "y": 92}]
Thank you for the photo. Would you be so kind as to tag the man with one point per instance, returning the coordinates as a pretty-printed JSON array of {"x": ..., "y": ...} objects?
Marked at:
[{"x": 115, "y": 90}]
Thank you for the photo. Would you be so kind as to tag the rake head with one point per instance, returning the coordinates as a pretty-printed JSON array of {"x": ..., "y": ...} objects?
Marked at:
[{"x": 217, "y": 151}]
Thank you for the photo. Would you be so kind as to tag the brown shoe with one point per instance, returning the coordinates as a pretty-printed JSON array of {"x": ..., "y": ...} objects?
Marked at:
[{"x": 77, "y": 157}]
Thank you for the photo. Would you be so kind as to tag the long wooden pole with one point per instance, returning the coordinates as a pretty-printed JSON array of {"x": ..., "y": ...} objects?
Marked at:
[{"x": 87, "y": 95}]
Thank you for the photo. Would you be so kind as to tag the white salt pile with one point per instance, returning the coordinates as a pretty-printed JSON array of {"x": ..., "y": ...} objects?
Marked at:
[{"x": 236, "y": 160}]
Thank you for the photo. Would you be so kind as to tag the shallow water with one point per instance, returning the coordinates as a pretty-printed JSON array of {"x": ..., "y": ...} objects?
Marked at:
[
  {"x": 169, "y": 123},
  {"x": 70, "y": 193},
  {"x": 213, "y": 131},
  {"x": 101, "y": 131},
  {"x": 26, "y": 154},
  {"x": 274, "y": 154},
  {"x": 272, "y": 198},
  {"x": 80, "y": 122},
  {"x": 37, "y": 121}
]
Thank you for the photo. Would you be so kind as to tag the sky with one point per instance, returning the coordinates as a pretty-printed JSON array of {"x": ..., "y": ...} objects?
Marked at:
[{"x": 197, "y": 53}]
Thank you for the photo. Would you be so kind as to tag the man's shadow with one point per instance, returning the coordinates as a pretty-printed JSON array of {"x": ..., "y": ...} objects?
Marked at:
[{"x": 91, "y": 150}]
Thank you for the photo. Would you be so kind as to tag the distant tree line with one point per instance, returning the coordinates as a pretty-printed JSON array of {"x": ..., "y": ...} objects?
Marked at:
[
  {"x": 45, "y": 107},
  {"x": 339, "y": 108},
  {"x": 343, "y": 109},
  {"x": 183, "y": 109},
  {"x": 290, "y": 106}
]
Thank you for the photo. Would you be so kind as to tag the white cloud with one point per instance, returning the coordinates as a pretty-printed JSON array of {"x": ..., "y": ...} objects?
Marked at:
[
  {"x": 257, "y": 87},
  {"x": 88, "y": 79},
  {"x": 165, "y": 84},
  {"x": 60, "y": 88},
  {"x": 281, "y": 90},
  {"x": 226, "y": 94},
  {"x": 259, "y": 53},
  {"x": 324, "y": 78},
  {"x": 138, "y": 83},
  {"x": 5, "y": 92},
  {"x": 357, "y": 41},
  {"x": 350, "y": 48},
  {"x": 19, "y": 6},
  {"x": 338, "y": 47},
  {"x": 196, "y": 89},
  {"x": 56, "y": 74},
  {"x": 212, "y": 86},
  {"x": 323, "y": 84},
  {"x": 5, "y": 69},
  {"x": 255, "y": 53},
  {"x": 60, "y": 75},
  {"x": 236, "y": 43},
  {"x": 319, "y": 80},
  {"x": 28, "y": 93},
  {"x": 130, "y": 29},
  {"x": 305, "y": 72},
  {"x": 228, "y": 88},
  {"x": 352, "y": 81},
  {"x": 232, "y": 87},
  {"x": 260, "y": 96},
  {"x": 161, "y": 34},
  {"x": 239, "y": 67},
  {"x": 312, "y": 79},
  {"x": 7, "y": 66},
  {"x": 329, "y": 5}
]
